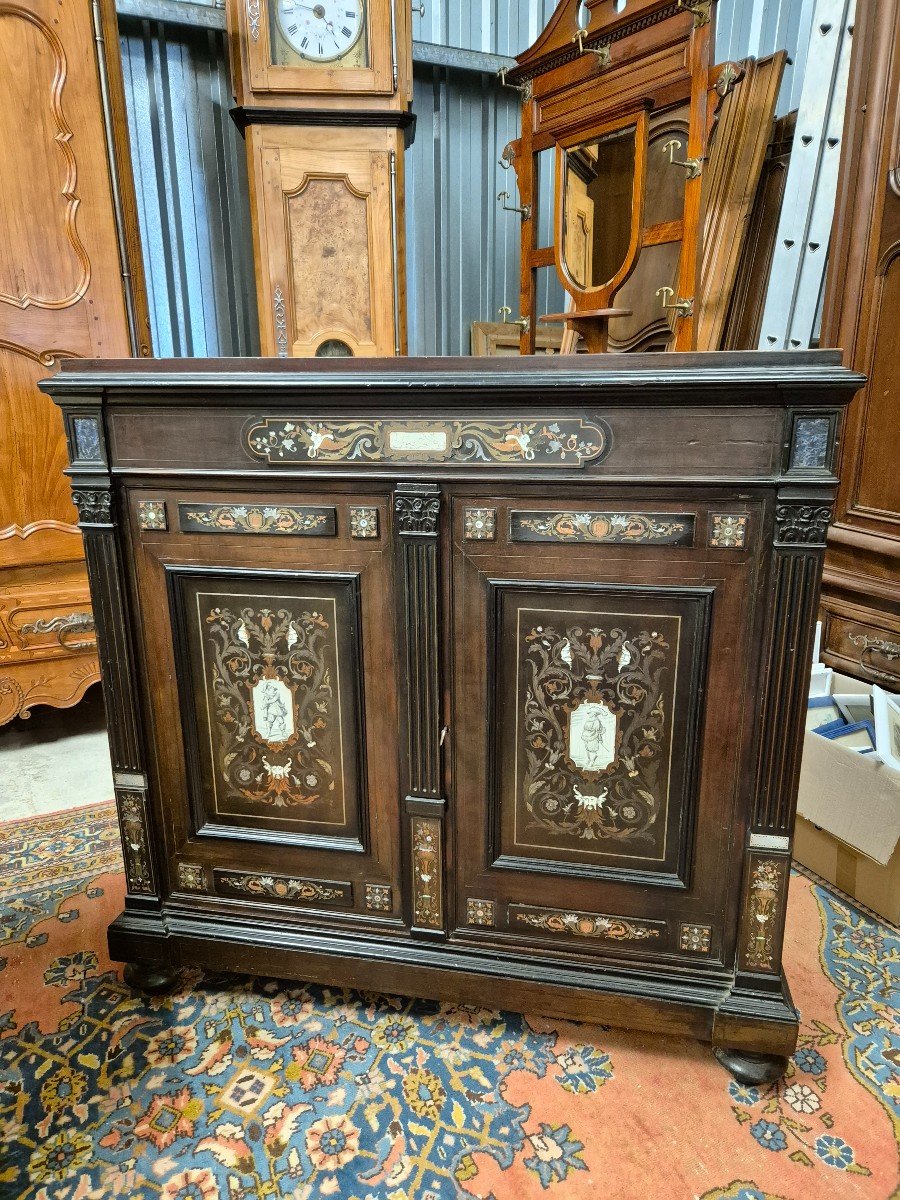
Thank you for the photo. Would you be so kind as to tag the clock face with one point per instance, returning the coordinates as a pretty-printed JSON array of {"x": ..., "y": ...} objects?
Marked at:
[{"x": 321, "y": 30}]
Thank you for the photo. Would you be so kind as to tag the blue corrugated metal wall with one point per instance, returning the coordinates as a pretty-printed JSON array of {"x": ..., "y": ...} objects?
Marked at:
[{"x": 463, "y": 251}]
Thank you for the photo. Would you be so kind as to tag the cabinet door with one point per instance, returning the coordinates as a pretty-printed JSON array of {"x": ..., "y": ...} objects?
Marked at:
[
  {"x": 600, "y": 653},
  {"x": 268, "y": 640}
]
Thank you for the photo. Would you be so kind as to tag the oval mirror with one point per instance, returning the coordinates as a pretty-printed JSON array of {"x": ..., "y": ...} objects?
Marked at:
[{"x": 597, "y": 208}]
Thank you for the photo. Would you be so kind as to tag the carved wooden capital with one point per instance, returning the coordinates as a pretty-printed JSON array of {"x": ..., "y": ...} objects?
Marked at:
[
  {"x": 801, "y": 523},
  {"x": 94, "y": 505},
  {"x": 418, "y": 509}
]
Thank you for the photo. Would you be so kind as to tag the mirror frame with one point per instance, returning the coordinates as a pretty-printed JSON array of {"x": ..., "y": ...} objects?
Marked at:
[{"x": 600, "y": 296}]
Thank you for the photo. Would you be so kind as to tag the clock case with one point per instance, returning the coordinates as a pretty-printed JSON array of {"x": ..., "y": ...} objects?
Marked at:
[
  {"x": 325, "y": 147},
  {"x": 260, "y": 82}
]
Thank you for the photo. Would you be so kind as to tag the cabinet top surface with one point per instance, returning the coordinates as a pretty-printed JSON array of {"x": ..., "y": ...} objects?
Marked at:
[{"x": 720, "y": 378}]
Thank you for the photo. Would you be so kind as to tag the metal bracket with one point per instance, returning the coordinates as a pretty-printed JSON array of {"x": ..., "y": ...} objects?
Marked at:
[
  {"x": 508, "y": 156},
  {"x": 524, "y": 323},
  {"x": 728, "y": 77},
  {"x": 700, "y": 8},
  {"x": 419, "y": 8},
  {"x": 693, "y": 166},
  {"x": 684, "y": 308},
  {"x": 603, "y": 53},
  {"x": 524, "y": 211},
  {"x": 525, "y": 89}
]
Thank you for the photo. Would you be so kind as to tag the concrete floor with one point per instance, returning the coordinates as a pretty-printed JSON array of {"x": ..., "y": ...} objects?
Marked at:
[{"x": 58, "y": 758}]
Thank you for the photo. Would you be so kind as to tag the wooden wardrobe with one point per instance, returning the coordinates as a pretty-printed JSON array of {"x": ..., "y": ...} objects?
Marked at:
[
  {"x": 71, "y": 286},
  {"x": 861, "y": 588}
]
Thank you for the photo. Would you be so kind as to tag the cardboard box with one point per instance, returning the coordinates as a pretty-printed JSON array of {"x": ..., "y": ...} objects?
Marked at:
[
  {"x": 868, "y": 882},
  {"x": 848, "y": 824}
]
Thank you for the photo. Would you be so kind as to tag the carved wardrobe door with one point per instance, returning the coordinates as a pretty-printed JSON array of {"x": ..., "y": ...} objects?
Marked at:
[
  {"x": 66, "y": 228},
  {"x": 267, "y": 627},
  {"x": 610, "y": 645}
]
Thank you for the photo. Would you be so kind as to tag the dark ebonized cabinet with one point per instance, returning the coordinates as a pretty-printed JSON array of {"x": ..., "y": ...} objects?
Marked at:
[{"x": 481, "y": 681}]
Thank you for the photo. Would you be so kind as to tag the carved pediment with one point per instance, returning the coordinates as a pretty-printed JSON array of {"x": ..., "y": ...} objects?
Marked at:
[{"x": 607, "y": 20}]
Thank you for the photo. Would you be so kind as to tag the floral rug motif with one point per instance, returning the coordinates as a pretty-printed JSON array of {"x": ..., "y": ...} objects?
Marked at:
[{"x": 234, "y": 1088}]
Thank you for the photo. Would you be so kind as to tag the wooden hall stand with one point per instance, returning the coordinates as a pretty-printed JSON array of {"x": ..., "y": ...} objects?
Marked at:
[{"x": 314, "y": 580}]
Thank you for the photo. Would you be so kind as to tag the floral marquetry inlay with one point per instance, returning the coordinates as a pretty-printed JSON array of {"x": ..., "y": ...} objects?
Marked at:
[
  {"x": 364, "y": 522},
  {"x": 480, "y": 912},
  {"x": 586, "y": 924},
  {"x": 481, "y": 524},
  {"x": 428, "y": 904},
  {"x": 695, "y": 938},
  {"x": 270, "y": 706},
  {"x": 595, "y": 700},
  {"x": 273, "y": 519},
  {"x": 152, "y": 515},
  {"x": 554, "y": 442},
  {"x": 379, "y": 897},
  {"x": 285, "y": 887},
  {"x": 664, "y": 529},
  {"x": 728, "y": 531},
  {"x": 191, "y": 877},
  {"x": 135, "y": 847},
  {"x": 768, "y": 879}
]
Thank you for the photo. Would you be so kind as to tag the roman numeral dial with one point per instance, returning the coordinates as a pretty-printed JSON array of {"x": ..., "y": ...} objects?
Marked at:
[{"x": 322, "y": 30}]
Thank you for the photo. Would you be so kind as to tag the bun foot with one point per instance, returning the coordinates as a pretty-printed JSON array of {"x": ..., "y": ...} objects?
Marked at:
[
  {"x": 150, "y": 978},
  {"x": 749, "y": 1068}
]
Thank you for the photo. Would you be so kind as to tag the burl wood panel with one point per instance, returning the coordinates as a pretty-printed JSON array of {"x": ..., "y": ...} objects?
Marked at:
[
  {"x": 329, "y": 239},
  {"x": 61, "y": 297}
]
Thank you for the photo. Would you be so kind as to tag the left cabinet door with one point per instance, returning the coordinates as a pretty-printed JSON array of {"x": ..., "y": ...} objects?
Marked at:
[{"x": 268, "y": 646}]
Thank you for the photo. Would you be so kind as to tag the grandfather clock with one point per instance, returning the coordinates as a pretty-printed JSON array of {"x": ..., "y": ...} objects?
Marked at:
[{"x": 323, "y": 93}]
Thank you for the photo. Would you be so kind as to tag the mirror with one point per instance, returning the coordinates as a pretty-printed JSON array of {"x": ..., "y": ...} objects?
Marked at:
[{"x": 597, "y": 210}]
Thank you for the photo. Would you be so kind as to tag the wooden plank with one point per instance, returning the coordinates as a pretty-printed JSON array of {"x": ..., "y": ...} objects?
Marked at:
[{"x": 736, "y": 160}]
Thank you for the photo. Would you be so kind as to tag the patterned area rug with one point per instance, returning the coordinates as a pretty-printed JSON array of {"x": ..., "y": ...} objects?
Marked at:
[{"x": 234, "y": 1088}]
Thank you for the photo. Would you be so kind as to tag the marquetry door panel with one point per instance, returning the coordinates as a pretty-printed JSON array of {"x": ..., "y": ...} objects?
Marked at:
[
  {"x": 279, "y": 764},
  {"x": 609, "y": 645}
]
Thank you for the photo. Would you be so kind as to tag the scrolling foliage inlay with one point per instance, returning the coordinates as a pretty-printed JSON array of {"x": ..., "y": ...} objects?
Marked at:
[
  {"x": 275, "y": 714},
  {"x": 550, "y": 442},
  {"x": 596, "y": 705}
]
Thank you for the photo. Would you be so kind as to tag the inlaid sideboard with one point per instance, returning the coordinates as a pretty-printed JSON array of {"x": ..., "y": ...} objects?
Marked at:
[{"x": 481, "y": 681}]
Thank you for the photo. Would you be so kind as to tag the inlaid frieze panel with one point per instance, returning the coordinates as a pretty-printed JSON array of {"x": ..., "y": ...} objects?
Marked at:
[
  {"x": 620, "y": 528},
  {"x": 548, "y": 442},
  {"x": 283, "y": 888},
  {"x": 586, "y": 924},
  {"x": 597, "y": 706},
  {"x": 272, "y": 678},
  {"x": 283, "y": 520}
]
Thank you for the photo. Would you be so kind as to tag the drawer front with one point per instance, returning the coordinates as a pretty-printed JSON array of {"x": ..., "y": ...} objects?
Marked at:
[
  {"x": 609, "y": 646},
  {"x": 861, "y": 642},
  {"x": 47, "y": 615},
  {"x": 269, "y": 649}
]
